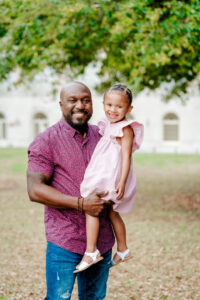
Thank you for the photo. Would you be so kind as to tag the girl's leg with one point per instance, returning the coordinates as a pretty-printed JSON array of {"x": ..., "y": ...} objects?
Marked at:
[
  {"x": 92, "y": 231},
  {"x": 92, "y": 254},
  {"x": 119, "y": 229}
]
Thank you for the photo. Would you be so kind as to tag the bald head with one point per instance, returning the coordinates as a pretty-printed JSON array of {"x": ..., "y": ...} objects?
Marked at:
[
  {"x": 76, "y": 105},
  {"x": 71, "y": 87}
]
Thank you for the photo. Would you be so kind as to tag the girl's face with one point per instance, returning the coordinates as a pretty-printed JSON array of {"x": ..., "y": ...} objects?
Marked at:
[{"x": 116, "y": 106}]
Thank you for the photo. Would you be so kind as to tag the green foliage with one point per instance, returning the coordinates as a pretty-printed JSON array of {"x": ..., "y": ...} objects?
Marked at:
[{"x": 144, "y": 42}]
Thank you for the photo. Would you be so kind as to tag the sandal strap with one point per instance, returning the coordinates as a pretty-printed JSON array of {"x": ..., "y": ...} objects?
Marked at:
[
  {"x": 82, "y": 265},
  {"x": 122, "y": 255},
  {"x": 93, "y": 255}
]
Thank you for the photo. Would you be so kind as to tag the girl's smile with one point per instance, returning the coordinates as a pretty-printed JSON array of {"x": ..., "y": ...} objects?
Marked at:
[{"x": 116, "y": 106}]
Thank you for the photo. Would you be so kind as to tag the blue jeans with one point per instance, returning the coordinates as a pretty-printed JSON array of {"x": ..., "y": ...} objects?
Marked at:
[{"x": 60, "y": 278}]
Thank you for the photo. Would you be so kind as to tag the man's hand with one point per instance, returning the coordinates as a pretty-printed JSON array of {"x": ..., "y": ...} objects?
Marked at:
[{"x": 93, "y": 204}]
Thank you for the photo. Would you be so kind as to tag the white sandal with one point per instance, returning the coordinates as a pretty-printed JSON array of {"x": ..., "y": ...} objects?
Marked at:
[
  {"x": 88, "y": 260},
  {"x": 120, "y": 257}
]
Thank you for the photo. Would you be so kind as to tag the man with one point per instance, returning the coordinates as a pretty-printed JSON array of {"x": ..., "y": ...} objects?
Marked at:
[{"x": 58, "y": 158}]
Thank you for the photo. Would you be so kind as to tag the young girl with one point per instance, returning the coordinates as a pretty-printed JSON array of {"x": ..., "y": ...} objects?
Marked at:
[{"x": 110, "y": 169}]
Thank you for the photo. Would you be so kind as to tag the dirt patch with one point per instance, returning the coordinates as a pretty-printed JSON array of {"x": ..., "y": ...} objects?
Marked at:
[
  {"x": 7, "y": 184},
  {"x": 188, "y": 201}
]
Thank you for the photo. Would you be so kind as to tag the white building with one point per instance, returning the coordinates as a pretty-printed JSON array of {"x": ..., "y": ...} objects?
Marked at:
[{"x": 169, "y": 127}]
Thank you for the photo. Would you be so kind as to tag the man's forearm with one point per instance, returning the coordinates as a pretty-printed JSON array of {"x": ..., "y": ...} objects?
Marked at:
[
  {"x": 39, "y": 191},
  {"x": 47, "y": 195}
]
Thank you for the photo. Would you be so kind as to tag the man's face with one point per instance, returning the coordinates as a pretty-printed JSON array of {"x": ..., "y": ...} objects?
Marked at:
[{"x": 76, "y": 105}]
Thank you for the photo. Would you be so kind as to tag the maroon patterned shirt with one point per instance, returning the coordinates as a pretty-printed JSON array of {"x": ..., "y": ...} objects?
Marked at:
[{"x": 63, "y": 153}]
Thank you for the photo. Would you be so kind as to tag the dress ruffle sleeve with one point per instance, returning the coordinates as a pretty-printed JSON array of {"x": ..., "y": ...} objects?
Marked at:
[
  {"x": 102, "y": 125},
  {"x": 138, "y": 130}
]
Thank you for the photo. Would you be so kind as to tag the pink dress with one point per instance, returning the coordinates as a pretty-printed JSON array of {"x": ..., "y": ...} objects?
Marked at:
[{"x": 104, "y": 169}]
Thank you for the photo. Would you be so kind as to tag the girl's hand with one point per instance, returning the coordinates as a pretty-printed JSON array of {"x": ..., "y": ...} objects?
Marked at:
[{"x": 120, "y": 190}]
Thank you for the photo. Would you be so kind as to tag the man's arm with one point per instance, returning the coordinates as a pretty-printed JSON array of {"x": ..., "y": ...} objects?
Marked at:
[{"x": 39, "y": 191}]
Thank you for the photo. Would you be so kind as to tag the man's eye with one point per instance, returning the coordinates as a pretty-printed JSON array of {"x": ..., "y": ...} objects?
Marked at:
[
  {"x": 86, "y": 101},
  {"x": 72, "y": 101}
]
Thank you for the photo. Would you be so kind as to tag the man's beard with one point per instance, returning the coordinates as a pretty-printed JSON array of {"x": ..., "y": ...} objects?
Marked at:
[{"x": 82, "y": 128}]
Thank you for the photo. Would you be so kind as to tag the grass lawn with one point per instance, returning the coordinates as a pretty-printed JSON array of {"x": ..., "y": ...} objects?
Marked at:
[{"x": 163, "y": 236}]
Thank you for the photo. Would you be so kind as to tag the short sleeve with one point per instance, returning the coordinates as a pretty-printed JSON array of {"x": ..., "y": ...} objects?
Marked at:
[
  {"x": 102, "y": 125},
  {"x": 40, "y": 156},
  {"x": 138, "y": 130}
]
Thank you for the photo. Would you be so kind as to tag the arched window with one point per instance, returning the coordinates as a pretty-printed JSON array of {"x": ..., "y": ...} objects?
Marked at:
[
  {"x": 2, "y": 126},
  {"x": 170, "y": 127},
  {"x": 40, "y": 123}
]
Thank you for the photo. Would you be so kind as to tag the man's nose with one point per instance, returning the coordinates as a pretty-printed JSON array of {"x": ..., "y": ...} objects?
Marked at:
[{"x": 79, "y": 104}]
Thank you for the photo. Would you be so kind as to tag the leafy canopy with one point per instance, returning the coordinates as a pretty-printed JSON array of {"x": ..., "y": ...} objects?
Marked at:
[{"x": 140, "y": 42}]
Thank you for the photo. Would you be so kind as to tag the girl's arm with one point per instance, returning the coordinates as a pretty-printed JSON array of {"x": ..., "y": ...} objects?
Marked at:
[{"x": 126, "y": 143}]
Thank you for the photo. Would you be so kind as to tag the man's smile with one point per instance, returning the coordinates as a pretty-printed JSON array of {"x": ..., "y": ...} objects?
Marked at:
[{"x": 79, "y": 113}]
